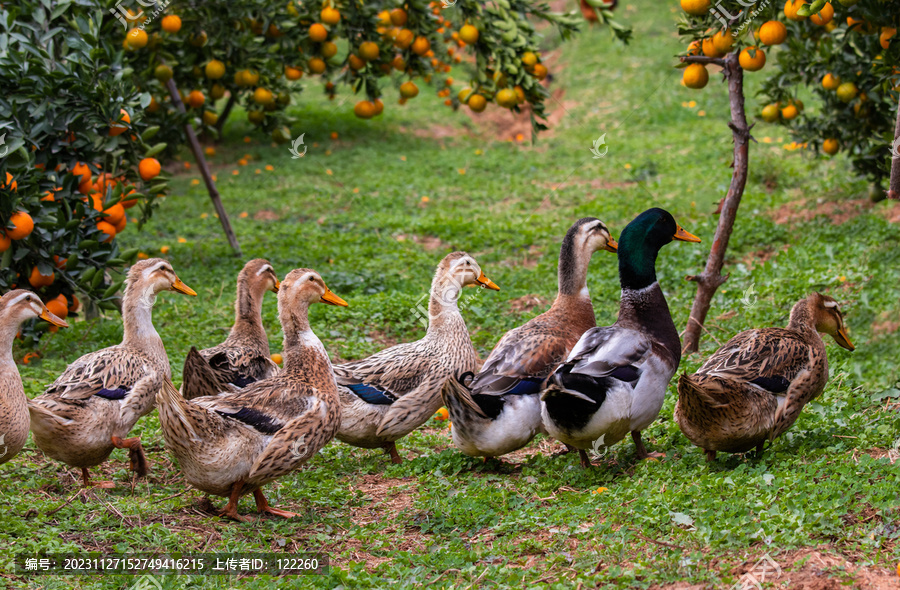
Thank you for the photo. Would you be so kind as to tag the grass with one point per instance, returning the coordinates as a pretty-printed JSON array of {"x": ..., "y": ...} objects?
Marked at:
[{"x": 441, "y": 518}]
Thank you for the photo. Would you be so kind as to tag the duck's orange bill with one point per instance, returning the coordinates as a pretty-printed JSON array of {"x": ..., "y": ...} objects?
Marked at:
[
  {"x": 182, "y": 288},
  {"x": 843, "y": 340},
  {"x": 486, "y": 282},
  {"x": 332, "y": 299},
  {"x": 685, "y": 236},
  {"x": 277, "y": 286},
  {"x": 612, "y": 245},
  {"x": 48, "y": 316}
]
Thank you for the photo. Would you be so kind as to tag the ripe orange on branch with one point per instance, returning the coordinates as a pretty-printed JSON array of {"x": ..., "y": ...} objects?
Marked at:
[
  {"x": 772, "y": 33},
  {"x": 695, "y": 76},
  {"x": 22, "y": 225},
  {"x": 317, "y": 33},
  {"x": 116, "y": 129},
  {"x": 149, "y": 168},
  {"x": 752, "y": 59},
  {"x": 695, "y": 7},
  {"x": 171, "y": 23}
]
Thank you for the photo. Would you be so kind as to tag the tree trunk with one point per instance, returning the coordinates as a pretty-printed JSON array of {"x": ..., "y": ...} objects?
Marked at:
[
  {"x": 711, "y": 277},
  {"x": 204, "y": 171},
  {"x": 220, "y": 124},
  {"x": 894, "y": 188}
]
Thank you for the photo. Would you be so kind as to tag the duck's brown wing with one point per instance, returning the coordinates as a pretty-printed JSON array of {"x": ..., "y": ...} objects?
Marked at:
[
  {"x": 110, "y": 373},
  {"x": 242, "y": 366},
  {"x": 522, "y": 360}
]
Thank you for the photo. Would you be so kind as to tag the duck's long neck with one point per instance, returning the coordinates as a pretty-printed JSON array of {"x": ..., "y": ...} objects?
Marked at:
[
  {"x": 802, "y": 318},
  {"x": 643, "y": 305},
  {"x": 443, "y": 308},
  {"x": 303, "y": 351},
  {"x": 8, "y": 331},
  {"x": 573, "y": 268},
  {"x": 137, "y": 317},
  {"x": 248, "y": 315}
]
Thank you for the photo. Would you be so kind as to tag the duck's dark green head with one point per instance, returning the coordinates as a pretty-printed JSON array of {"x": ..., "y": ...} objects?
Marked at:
[{"x": 641, "y": 241}]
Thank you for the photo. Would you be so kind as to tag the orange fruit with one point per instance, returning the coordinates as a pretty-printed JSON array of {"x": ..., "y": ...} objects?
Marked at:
[
  {"x": 364, "y": 109},
  {"x": 442, "y": 414},
  {"x": 695, "y": 76},
  {"x": 399, "y": 63},
  {"x": 316, "y": 65},
  {"x": 39, "y": 280},
  {"x": 118, "y": 129},
  {"x": 421, "y": 45},
  {"x": 379, "y": 106},
  {"x": 824, "y": 16},
  {"x": 5, "y": 242},
  {"x": 356, "y": 62},
  {"x": 709, "y": 48},
  {"x": 847, "y": 91},
  {"x": 831, "y": 146},
  {"x": 790, "y": 112},
  {"x": 277, "y": 358},
  {"x": 263, "y": 96},
  {"x": 200, "y": 39},
  {"x": 13, "y": 185},
  {"x": 136, "y": 39},
  {"x": 153, "y": 106},
  {"x": 528, "y": 58},
  {"x": 404, "y": 38},
  {"x": 81, "y": 169},
  {"x": 477, "y": 102},
  {"x": 163, "y": 73},
  {"x": 292, "y": 73},
  {"x": 723, "y": 41},
  {"x": 398, "y": 17},
  {"x": 409, "y": 90},
  {"x": 329, "y": 49},
  {"x": 506, "y": 98},
  {"x": 772, "y": 33},
  {"x": 149, "y": 168},
  {"x": 120, "y": 227},
  {"x": 791, "y": 7},
  {"x": 752, "y": 58},
  {"x": 209, "y": 118},
  {"x": 384, "y": 18},
  {"x": 830, "y": 81},
  {"x": 171, "y": 23},
  {"x": 22, "y": 225},
  {"x": 129, "y": 203},
  {"x": 694, "y": 48},
  {"x": 369, "y": 51},
  {"x": 108, "y": 229},
  {"x": 58, "y": 306},
  {"x": 770, "y": 113},
  {"x": 887, "y": 33},
  {"x": 695, "y": 7},
  {"x": 115, "y": 213},
  {"x": 539, "y": 71},
  {"x": 317, "y": 33},
  {"x": 330, "y": 16},
  {"x": 195, "y": 99},
  {"x": 214, "y": 69},
  {"x": 469, "y": 34}
]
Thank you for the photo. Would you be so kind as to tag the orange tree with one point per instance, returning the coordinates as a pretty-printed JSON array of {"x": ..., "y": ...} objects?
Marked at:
[
  {"x": 255, "y": 53},
  {"x": 76, "y": 163},
  {"x": 819, "y": 42}
]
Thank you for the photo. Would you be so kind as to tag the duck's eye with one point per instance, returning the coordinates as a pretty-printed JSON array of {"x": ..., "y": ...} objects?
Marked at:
[
  {"x": 312, "y": 279},
  {"x": 467, "y": 263}
]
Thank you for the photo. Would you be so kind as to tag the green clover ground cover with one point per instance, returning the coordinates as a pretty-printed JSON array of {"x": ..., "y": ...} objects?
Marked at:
[{"x": 441, "y": 518}]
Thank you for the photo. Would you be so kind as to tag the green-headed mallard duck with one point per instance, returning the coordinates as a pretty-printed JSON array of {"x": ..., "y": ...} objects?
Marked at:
[
  {"x": 391, "y": 393},
  {"x": 16, "y": 307},
  {"x": 88, "y": 410},
  {"x": 233, "y": 443},
  {"x": 498, "y": 410},
  {"x": 244, "y": 357},
  {"x": 615, "y": 379},
  {"x": 752, "y": 389}
]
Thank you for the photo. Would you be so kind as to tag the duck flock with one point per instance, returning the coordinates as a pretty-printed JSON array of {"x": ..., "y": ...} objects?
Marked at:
[{"x": 239, "y": 422}]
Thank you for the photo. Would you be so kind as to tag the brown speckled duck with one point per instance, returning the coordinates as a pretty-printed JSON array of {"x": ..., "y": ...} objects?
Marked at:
[
  {"x": 753, "y": 389},
  {"x": 233, "y": 443},
  {"x": 391, "y": 393},
  {"x": 91, "y": 407},
  {"x": 499, "y": 410},
  {"x": 16, "y": 308},
  {"x": 244, "y": 357}
]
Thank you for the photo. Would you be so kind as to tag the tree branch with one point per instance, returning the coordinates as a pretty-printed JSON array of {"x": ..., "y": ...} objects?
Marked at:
[
  {"x": 702, "y": 59},
  {"x": 894, "y": 187}
]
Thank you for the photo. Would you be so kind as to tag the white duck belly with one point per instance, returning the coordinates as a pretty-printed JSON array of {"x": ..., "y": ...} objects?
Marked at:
[{"x": 518, "y": 422}]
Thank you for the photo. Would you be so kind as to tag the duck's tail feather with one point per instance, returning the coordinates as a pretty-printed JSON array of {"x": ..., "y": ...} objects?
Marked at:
[
  {"x": 707, "y": 390},
  {"x": 199, "y": 378},
  {"x": 457, "y": 395}
]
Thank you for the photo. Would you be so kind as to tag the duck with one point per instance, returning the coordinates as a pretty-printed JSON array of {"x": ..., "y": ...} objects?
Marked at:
[
  {"x": 90, "y": 409},
  {"x": 233, "y": 443},
  {"x": 244, "y": 356},
  {"x": 498, "y": 410},
  {"x": 752, "y": 389},
  {"x": 16, "y": 307},
  {"x": 615, "y": 379},
  {"x": 386, "y": 396}
]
